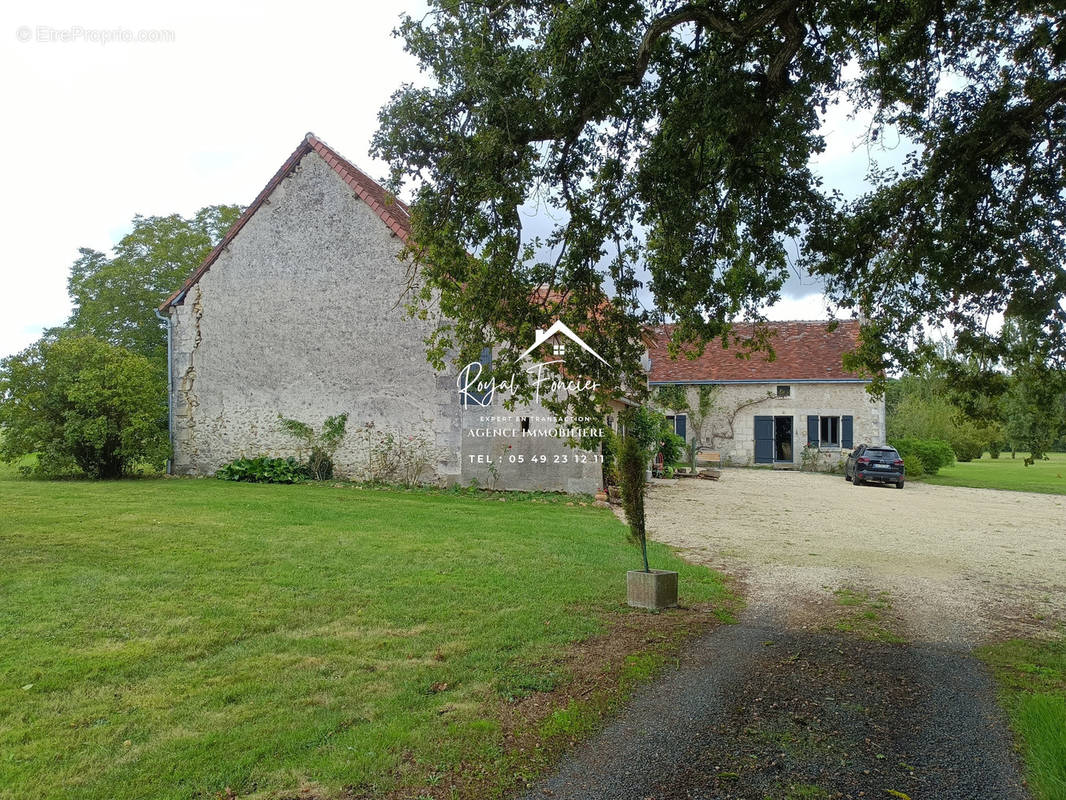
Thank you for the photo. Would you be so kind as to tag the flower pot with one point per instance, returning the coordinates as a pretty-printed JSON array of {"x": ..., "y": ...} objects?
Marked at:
[
  {"x": 601, "y": 495},
  {"x": 656, "y": 589}
]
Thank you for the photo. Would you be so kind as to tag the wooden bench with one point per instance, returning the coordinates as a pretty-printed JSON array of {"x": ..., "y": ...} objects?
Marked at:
[
  {"x": 709, "y": 465},
  {"x": 711, "y": 459}
]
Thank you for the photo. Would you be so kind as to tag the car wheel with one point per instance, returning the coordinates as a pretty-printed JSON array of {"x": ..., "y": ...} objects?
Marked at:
[
  {"x": 847, "y": 477},
  {"x": 899, "y": 485}
]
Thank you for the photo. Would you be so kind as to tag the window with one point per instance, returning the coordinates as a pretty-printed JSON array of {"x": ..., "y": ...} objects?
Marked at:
[
  {"x": 679, "y": 423},
  {"x": 882, "y": 452},
  {"x": 830, "y": 432},
  {"x": 479, "y": 390},
  {"x": 784, "y": 391},
  {"x": 558, "y": 349}
]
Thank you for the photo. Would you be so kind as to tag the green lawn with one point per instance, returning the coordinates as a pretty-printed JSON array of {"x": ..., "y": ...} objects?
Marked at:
[
  {"x": 1047, "y": 477},
  {"x": 171, "y": 638},
  {"x": 1032, "y": 681}
]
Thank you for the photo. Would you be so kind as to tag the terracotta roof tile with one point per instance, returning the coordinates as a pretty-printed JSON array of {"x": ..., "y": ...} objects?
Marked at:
[
  {"x": 394, "y": 213},
  {"x": 805, "y": 351}
]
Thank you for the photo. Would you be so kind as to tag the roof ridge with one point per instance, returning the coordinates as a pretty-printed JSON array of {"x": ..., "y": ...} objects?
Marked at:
[
  {"x": 803, "y": 349},
  {"x": 357, "y": 180},
  {"x": 389, "y": 209}
]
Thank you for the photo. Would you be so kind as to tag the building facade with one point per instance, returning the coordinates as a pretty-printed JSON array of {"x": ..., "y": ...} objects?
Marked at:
[
  {"x": 299, "y": 313},
  {"x": 768, "y": 409}
]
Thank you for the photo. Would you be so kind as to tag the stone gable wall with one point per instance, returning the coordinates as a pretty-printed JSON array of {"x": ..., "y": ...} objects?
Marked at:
[{"x": 301, "y": 316}]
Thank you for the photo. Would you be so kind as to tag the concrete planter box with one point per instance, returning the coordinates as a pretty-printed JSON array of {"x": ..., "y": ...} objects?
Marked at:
[{"x": 656, "y": 589}]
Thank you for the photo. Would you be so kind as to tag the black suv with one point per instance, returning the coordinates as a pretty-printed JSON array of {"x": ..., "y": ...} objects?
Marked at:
[{"x": 874, "y": 463}]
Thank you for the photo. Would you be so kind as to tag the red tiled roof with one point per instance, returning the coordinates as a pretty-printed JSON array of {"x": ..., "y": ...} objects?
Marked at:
[
  {"x": 394, "y": 213},
  {"x": 805, "y": 351}
]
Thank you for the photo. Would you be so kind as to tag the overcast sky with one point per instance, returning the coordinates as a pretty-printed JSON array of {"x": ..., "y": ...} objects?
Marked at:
[{"x": 204, "y": 111}]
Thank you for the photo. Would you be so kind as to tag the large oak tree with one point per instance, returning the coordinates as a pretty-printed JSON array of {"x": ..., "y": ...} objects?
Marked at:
[{"x": 678, "y": 137}]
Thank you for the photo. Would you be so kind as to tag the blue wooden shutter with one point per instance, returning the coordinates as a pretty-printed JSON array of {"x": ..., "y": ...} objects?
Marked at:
[
  {"x": 764, "y": 440},
  {"x": 681, "y": 426},
  {"x": 847, "y": 436},
  {"x": 812, "y": 430},
  {"x": 486, "y": 367}
]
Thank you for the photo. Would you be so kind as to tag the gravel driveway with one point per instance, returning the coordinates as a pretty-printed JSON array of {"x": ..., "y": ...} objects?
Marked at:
[
  {"x": 959, "y": 563},
  {"x": 787, "y": 704}
]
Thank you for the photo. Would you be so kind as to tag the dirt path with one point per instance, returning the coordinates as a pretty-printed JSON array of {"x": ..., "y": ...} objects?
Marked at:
[
  {"x": 757, "y": 711},
  {"x": 850, "y": 673}
]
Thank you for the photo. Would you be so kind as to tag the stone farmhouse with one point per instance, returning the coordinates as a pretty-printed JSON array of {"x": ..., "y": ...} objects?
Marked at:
[
  {"x": 298, "y": 312},
  {"x": 767, "y": 411}
]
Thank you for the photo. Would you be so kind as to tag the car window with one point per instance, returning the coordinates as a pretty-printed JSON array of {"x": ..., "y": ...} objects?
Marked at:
[{"x": 884, "y": 452}]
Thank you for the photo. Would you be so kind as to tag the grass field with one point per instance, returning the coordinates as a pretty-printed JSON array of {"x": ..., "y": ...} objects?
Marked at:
[
  {"x": 1046, "y": 477},
  {"x": 172, "y": 638},
  {"x": 1032, "y": 681}
]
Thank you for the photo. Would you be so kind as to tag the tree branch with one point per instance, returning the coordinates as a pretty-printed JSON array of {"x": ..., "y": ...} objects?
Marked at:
[{"x": 782, "y": 13}]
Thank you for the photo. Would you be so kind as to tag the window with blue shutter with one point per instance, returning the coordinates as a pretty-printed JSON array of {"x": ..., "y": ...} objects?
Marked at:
[
  {"x": 847, "y": 432},
  {"x": 681, "y": 426},
  {"x": 472, "y": 397},
  {"x": 764, "y": 440},
  {"x": 812, "y": 431}
]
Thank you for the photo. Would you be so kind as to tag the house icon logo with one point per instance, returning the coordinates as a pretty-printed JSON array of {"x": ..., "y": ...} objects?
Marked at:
[{"x": 560, "y": 328}]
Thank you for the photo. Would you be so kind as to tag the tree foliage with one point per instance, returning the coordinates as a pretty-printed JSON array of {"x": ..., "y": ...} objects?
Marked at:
[
  {"x": 78, "y": 401},
  {"x": 945, "y": 397},
  {"x": 1035, "y": 402},
  {"x": 115, "y": 297},
  {"x": 677, "y": 136}
]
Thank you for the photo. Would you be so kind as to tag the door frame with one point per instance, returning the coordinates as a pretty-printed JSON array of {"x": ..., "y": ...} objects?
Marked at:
[{"x": 792, "y": 438}]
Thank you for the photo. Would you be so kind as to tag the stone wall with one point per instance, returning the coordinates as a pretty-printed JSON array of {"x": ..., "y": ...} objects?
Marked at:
[
  {"x": 733, "y": 434},
  {"x": 302, "y": 316},
  {"x": 533, "y": 459}
]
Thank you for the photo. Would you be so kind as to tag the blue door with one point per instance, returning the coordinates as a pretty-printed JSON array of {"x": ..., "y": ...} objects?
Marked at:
[{"x": 764, "y": 440}]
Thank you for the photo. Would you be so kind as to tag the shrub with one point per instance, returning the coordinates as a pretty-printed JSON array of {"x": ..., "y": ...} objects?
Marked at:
[
  {"x": 394, "y": 457},
  {"x": 671, "y": 446},
  {"x": 932, "y": 453},
  {"x": 415, "y": 452},
  {"x": 912, "y": 466},
  {"x": 610, "y": 449},
  {"x": 969, "y": 440},
  {"x": 967, "y": 449},
  {"x": 261, "y": 469},
  {"x": 654, "y": 432},
  {"x": 322, "y": 446},
  {"x": 80, "y": 402}
]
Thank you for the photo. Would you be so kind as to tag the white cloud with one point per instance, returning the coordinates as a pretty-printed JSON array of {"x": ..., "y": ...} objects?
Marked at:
[{"x": 809, "y": 307}]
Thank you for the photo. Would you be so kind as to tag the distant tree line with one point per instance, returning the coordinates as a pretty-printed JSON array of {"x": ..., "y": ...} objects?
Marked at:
[{"x": 1016, "y": 403}]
